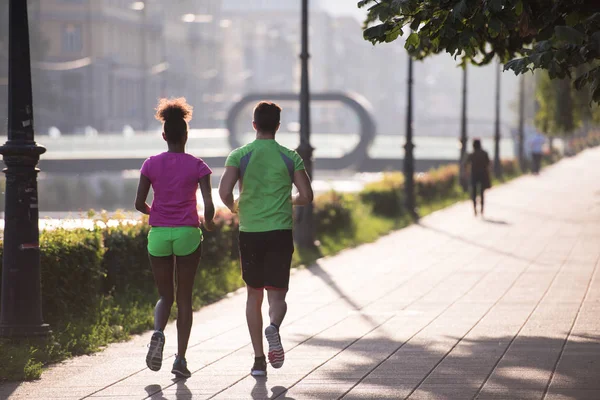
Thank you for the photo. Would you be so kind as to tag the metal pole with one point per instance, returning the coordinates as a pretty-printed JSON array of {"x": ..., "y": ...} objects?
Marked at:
[
  {"x": 463, "y": 123},
  {"x": 409, "y": 162},
  {"x": 521, "y": 153},
  {"x": 497, "y": 163},
  {"x": 144, "y": 60},
  {"x": 304, "y": 228},
  {"x": 21, "y": 310}
]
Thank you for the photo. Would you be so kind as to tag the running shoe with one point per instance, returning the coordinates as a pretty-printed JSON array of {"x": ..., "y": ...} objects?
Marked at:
[
  {"x": 155, "y": 351},
  {"x": 180, "y": 368},
  {"x": 260, "y": 367},
  {"x": 276, "y": 353}
]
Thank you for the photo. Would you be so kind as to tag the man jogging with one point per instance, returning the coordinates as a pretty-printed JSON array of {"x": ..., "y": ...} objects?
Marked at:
[{"x": 266, "y": 171}]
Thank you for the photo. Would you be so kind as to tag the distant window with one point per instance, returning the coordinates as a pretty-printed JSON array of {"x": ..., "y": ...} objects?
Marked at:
[{"x": 72, "y": 41}]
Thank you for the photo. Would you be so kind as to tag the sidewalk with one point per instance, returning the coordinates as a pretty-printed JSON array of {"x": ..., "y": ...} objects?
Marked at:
[{"x": 453, "y": 308}]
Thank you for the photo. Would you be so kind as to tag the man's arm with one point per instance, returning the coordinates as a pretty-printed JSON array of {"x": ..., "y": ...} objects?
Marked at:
[
  {"x": 305, "y": 192},
  {"x": 228, "y": 181}
]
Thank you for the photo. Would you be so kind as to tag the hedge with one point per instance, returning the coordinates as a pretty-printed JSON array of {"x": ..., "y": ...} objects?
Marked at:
[{"x": 97, "y": 286}]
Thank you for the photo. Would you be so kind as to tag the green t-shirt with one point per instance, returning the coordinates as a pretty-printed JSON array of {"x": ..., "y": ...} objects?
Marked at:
[{"x": 266, "y": 171}]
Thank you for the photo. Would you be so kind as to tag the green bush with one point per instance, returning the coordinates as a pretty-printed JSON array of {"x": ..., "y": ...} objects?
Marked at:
[
  {"x": 437, "y": 183},
  {"x": 333, "y": 214},
  {"x": 385, "y": 197},
  {"x": 71, "y": 271},
  {"x": 126, "y": 259}
]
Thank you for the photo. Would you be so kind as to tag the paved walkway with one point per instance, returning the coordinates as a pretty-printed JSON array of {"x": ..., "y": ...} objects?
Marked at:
[{"x": 453, "y": 308}]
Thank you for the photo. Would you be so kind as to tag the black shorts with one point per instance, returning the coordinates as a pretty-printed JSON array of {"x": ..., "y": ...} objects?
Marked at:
[{"x": 266, "y": 258}]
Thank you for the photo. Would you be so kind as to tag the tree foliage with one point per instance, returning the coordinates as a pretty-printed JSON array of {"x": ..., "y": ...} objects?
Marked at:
[
  {"x": 559, "y": 36},
  {"x": 561, "y": 107}
]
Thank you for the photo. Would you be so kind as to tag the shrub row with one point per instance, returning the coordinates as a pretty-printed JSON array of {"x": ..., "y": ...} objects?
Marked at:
[{"x": 578, "y": 144}]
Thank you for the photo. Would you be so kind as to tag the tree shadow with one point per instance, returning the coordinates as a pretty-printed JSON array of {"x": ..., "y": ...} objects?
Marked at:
[{"x": 495, "y": 366}]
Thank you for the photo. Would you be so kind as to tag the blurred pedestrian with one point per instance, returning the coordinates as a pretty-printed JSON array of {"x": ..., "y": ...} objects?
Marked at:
[
  {"x": 536, "y": 145},
  {"x": 479, "y": 164},
  {"x": 175, "y": 237}
]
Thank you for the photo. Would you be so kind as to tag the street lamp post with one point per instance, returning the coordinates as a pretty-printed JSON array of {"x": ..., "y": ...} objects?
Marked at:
[
  {"x": 521, "y": 153},
  {"x": 21, "y": 310},
  {"x": 144, "y": 62},
  {"x": 497, "y": 164},
  {"x": 304, "y": 228},
  {"x": 463, "y": 123},
  {"x": 409, "y": 161}
]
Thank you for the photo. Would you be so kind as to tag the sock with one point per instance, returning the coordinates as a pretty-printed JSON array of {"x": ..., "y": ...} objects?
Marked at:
[
  {"x": 275, "y": 325},
  {"x": 261, "y": 358}
]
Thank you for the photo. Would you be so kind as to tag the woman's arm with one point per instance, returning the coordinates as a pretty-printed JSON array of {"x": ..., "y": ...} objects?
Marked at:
[
  {"x": 209, "y": 206},
  {"x": 142, "y": 194}
]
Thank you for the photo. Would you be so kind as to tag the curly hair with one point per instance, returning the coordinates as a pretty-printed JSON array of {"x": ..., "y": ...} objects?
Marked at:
[
  {"x": 169, "y": 109},
  {"x": 174, "y": 114}
]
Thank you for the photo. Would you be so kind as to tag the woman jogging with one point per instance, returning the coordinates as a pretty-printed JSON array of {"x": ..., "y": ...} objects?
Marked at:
[{"x": 174, "y": 240}]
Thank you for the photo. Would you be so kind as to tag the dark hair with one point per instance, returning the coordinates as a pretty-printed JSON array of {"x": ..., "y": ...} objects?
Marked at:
[
  {"x": 477, "y": 144},
  {"x": 267, "y": 116},
  {"x": 175, "y": 114}
]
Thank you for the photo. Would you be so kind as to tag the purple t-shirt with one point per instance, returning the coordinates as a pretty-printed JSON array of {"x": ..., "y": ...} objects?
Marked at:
[{"x": 174, "y": 178}]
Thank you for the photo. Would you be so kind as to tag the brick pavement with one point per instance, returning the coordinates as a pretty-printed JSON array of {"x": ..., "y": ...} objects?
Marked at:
[{"x": 453, "y": 308}]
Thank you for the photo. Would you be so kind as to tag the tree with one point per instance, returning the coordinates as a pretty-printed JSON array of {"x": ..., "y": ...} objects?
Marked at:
[
  {"x": 560, "y": 36},
  {"x": 561, "y": 108}
]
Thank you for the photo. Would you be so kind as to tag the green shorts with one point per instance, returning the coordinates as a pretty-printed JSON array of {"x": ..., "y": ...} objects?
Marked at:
[{"x": 166, "y": 241}]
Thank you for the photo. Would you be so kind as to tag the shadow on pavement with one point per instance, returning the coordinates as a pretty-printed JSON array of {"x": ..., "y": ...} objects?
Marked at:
[
  {"x": 496, "y": 221},
  {"x": 155, "y": 391},
  {"x": 481, "y": 246},
  {"x": 318, "y": 271},
  {"x": 182, "y": 392},
  {"x": 260, "y": 391},
  {"x": 522, "y": 372}
]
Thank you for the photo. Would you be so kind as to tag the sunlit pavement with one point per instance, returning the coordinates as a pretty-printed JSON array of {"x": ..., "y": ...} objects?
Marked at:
[{"x": 457, "y": 307}]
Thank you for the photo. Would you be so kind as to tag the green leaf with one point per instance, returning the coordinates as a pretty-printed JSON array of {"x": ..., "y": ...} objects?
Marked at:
[
  {"x": 494, "y": 27},
  {"x": 376, "y": 33},
  {"x": 569, "y": 34},
  {"x": 413, "y": 40},
  {"x": 495, "y": 5},
  {"x": 573, "y": 18},
  {"x": 519, "y": 8},
  {"x": 459, "y": 9},
  {"x": 393, "y": 34}
]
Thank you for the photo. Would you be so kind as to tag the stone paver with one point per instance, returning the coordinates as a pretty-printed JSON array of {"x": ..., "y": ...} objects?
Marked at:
[{"x": 453, "y": 308}]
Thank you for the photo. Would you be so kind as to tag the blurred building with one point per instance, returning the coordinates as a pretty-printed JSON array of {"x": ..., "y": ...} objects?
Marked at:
[{"x": 105, "y": 63}]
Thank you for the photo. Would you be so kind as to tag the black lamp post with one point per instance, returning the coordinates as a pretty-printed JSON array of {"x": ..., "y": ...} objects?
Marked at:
[
  {"x": 21, "y": 312},
  {"x": 497, "y": 163},
  {"x": 409, "y": 161},
  {"x": 463, "y": 123},
  {"x": 304, "y": 228},
  {"x": 521, "y": 153}
]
